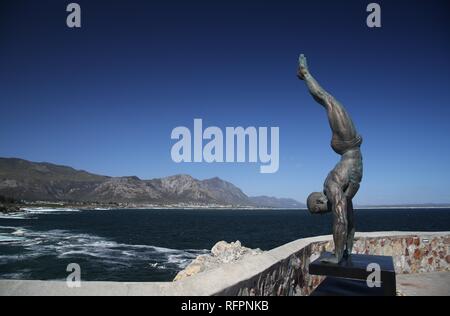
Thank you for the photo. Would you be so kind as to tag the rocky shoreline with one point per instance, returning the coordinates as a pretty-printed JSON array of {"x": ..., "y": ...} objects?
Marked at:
[
  {"x": 9, "y": 205},
  {"x": 9, "y": 208},
  {"x": 21, "y": 206},
  {"x": 221, "y": 253}
]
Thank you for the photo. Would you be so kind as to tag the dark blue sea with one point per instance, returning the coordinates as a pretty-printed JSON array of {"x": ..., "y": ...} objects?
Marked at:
[{"x": 153, "y": 245}]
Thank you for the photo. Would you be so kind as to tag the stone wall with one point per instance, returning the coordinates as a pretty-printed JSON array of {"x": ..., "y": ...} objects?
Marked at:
[
  {"x": 412, "y": 254},
  {"x": 417, "y": 253}
]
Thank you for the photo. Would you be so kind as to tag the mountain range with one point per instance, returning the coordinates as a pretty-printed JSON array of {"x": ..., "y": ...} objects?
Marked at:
[{"x": 30, "y": 181}]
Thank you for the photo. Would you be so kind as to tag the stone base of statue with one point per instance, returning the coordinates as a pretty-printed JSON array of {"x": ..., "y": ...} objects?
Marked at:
[{"x": 355, "y": 276}]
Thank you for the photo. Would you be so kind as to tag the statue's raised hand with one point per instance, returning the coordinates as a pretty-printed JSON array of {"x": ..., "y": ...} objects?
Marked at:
[{"x": 302, "y": 67}]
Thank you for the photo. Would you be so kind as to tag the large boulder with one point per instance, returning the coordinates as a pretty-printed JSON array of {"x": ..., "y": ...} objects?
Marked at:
[{"x": 221, "y": 253}]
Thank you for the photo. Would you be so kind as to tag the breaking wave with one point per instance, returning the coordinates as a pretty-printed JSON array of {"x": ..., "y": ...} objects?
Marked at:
[
  {"x": 93, "y": 250},
  {"x": 29, "y": 213}
]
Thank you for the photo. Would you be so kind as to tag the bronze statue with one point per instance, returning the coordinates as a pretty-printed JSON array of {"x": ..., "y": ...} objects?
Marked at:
[{"x": 343, "y": 181}]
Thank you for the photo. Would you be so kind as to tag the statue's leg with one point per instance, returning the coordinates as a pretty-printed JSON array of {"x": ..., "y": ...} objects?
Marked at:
[
  {"x": 350, "y": 228},
  {"x": 340, "y": 122}
]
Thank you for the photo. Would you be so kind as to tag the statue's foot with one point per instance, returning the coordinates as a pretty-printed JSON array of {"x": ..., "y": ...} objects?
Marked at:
[{"x": 332, "y": 259}]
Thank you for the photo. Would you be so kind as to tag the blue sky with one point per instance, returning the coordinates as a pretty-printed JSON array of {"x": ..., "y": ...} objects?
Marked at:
[{"x": 106, "y": 97}]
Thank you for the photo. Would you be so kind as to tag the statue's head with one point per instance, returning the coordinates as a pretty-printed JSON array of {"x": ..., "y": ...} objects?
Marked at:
[{"x": 318, "y": 203}]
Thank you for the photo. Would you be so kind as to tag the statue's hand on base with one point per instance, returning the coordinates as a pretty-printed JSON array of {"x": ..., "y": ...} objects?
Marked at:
[
  {"x": 332, "y": 259},
  {"x": 302, "y": 67}
]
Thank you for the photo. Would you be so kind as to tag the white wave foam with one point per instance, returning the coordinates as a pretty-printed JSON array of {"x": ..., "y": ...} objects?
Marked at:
[
  {"x": 27, "y": 213},
  {"x": 8, "y": 228},
  {"x": 14, "y": 276},
  {"x": 14, "y": 216},
  {"x": 10, "y": 234},
  {"x": 19, "y": 232},
  {"x": 43, "y": 210},
  {"x": 4, "y": 239},
  {"x": 111, "y": 255}
]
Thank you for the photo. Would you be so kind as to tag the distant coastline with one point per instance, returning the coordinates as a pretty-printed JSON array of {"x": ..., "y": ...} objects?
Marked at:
[
  {"x": 404, "y": 206},
  {"x": 24, "y": 207},
  {"x": 25, "y": 184}
]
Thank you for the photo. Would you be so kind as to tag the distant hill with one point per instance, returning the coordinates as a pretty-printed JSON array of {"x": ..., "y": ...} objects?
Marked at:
[
  {"x": 26, "y": 180},
  {"x": 272, "y": 202},
  {"x": 31, "y": 181}
]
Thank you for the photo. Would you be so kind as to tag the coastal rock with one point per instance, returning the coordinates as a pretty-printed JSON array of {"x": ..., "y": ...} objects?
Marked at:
[
  {"x": 221, "y": 253},
  {"x": 9, "y": 208}
]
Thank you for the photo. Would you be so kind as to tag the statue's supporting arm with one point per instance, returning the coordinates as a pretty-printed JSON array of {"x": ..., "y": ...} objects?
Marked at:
[{"x": 340, "y": 224}]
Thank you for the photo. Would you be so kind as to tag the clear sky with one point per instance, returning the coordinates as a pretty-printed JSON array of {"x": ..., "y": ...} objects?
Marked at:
[{"x": 106, "y": 97}]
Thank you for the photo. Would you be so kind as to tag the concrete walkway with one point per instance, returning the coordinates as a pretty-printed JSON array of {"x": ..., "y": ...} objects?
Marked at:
[{"x": 424, "y": 284}]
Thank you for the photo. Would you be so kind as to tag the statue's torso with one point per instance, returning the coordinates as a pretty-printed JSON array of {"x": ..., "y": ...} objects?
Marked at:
[{"x": 348, "y": 171}]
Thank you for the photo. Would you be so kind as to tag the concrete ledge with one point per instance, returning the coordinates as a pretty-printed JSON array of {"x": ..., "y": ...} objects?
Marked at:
[
  {"x": 424, "y": 284},
  {"x": 281, "y": 271}
]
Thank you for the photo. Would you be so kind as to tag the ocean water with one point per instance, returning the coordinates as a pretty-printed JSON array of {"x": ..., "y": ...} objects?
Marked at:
[{"x": 154, "y": 245}]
